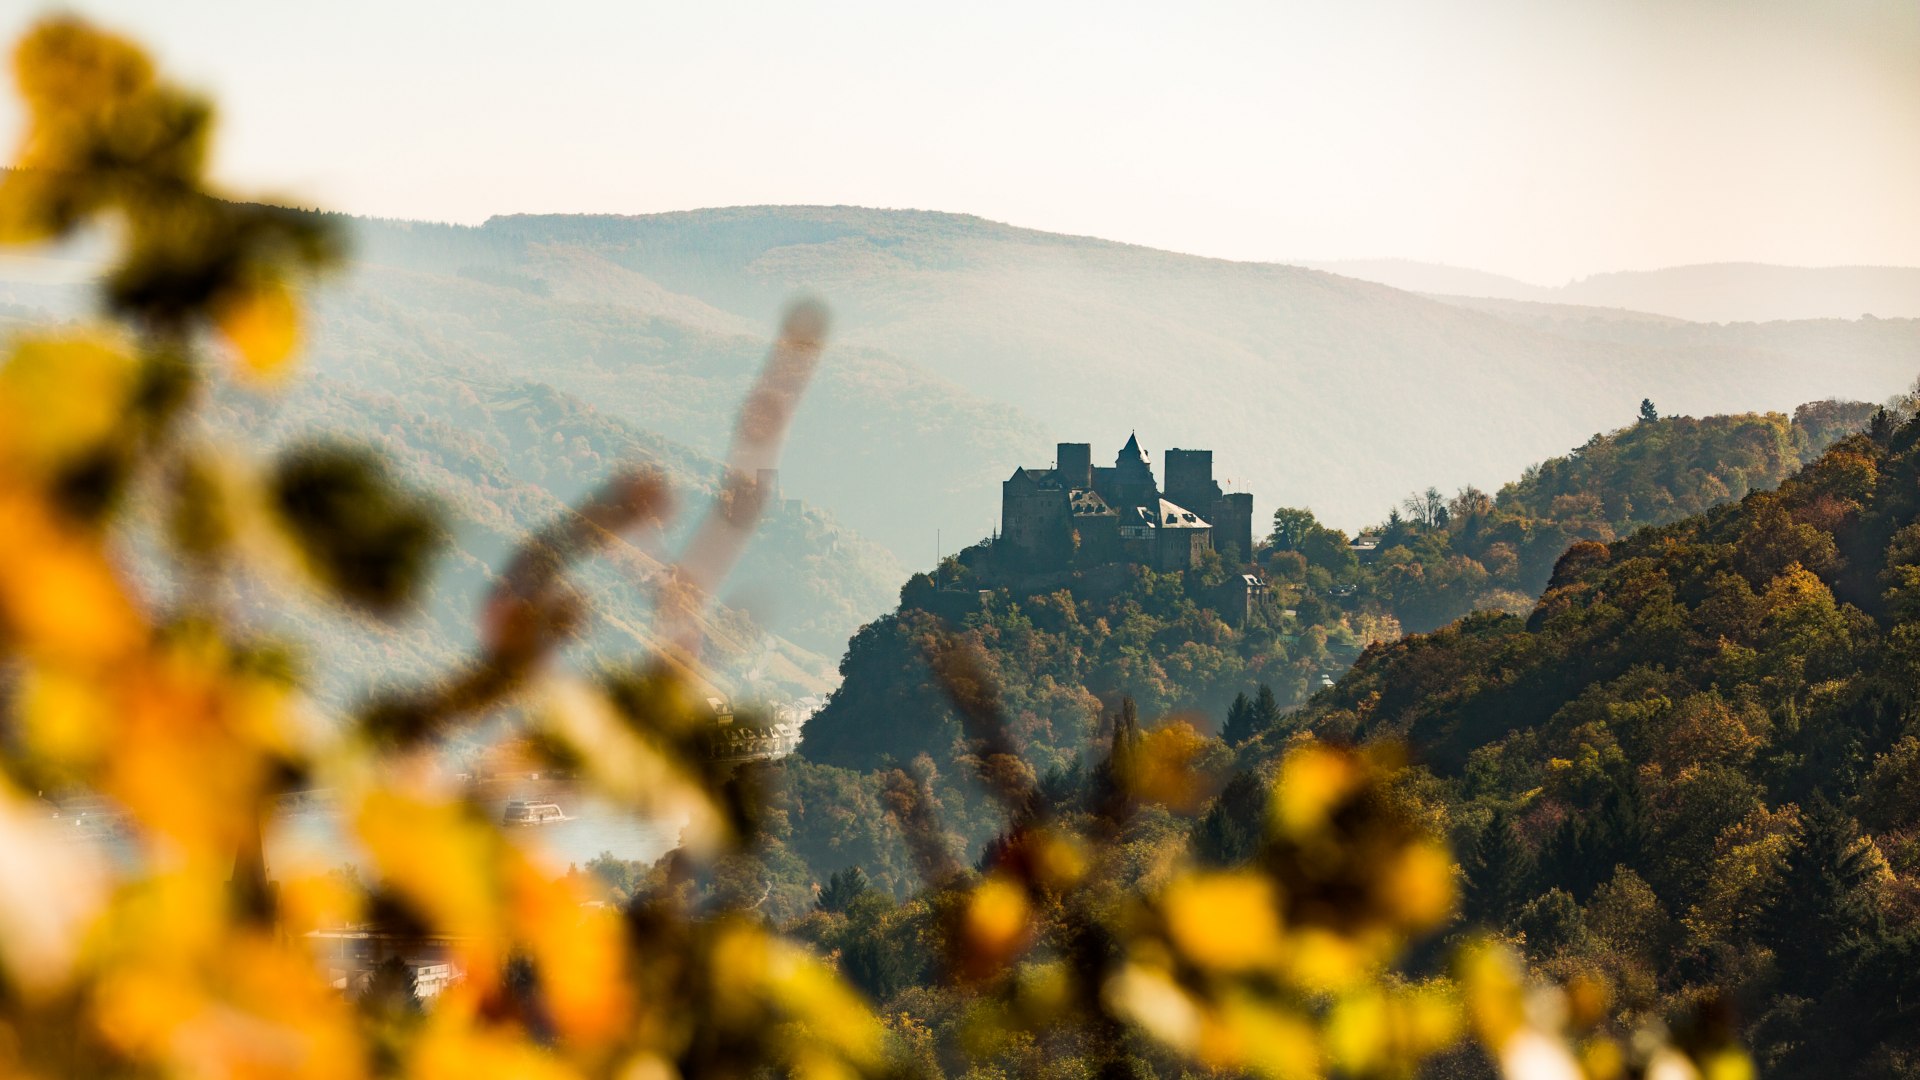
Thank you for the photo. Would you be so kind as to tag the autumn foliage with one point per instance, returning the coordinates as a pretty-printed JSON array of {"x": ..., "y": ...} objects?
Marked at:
[{"x": 182, "y": 956}]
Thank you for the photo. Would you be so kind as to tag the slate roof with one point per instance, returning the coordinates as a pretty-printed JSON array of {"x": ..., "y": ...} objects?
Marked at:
[
  {"x": 1088, "y": 503},
  {"x": 1169, "y": 515}
]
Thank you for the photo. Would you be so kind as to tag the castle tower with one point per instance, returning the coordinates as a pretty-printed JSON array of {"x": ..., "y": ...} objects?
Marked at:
[
  {"x": 1190, "y": 480},
  {"x": 1132, "y": 477},
  {"x": 1074, "y": 462},
  {"x": 1233, "y": 526}
]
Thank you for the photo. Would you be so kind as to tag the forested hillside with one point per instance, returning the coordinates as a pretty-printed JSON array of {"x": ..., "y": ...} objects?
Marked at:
[
  {"x": 1438, "y": 557},
  {"x": 1687, "y": 774},
  {"x": 1060, "y": 655},
  {"x": 1058, "y": 650},
  {"x": 1692, "y": 765}
]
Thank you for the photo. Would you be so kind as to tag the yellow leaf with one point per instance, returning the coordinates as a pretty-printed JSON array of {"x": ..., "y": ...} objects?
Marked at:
[
  {"x": 1313, "y": 779},
  {"x": 1149, "y": 998},
  {"x": 1378, "y": 1030},
  {"x": 1418, "y": 887},
  {"x": 1490, "y": 977},
  {"x": 832, "y": 1016},
  {"x": 60, "y": 599},
  {"x": 66, "y": 65},
  {"x": 446, "y": 863},
  {"x": 61, "y": 397},
  {"x": 262, "y": 323},
  {"x": 39, "y": 936},
  {"x": 997, "y": 923},
  {"x": 1271, "y": 1040},
  {"x": 579, "y": 951},
  {"x": 1226, "y": 922}
]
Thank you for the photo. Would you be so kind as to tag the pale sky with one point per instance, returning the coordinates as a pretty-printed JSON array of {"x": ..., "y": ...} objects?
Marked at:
[{"x": 1544, "y": 139}]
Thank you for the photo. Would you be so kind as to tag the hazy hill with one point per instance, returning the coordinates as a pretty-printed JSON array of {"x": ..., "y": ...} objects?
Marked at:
[
  {"x": 963, "y": 348},
  {"x": 1712, "y": 292},
  {"x": 502, "y": 456},
  {"x": 1313, "y": 389},
  {"x": 503, "y": 461},
  {"x": 887, "y": 444},
  {"x": 1750, "y": 292},
  {"x": 1434, "y": 278}
]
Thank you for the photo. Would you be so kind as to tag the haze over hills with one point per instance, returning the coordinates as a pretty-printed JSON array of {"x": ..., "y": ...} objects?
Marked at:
[
  {"x": 1313, "y": 389},
  {"x": 1713, "y": 292},
  {"x": 963, "y": 348},
  {"x": 499, "y": 459}
]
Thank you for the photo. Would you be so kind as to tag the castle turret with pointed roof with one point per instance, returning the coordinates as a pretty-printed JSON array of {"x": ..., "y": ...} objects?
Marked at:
[{"x": 1075, "y": 513}]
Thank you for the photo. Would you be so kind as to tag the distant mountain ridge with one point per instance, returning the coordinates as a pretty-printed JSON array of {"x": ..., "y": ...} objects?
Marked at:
[
  {"x": 1313, "y": 389},
  {"x": 1709, "y": 292}
]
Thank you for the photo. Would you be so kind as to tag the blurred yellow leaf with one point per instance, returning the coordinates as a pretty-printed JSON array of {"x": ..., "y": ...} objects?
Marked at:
[
  {"x": 624, "y": 763},
  {"x": 996, "y": 924},
  {"x": 60, "y": 600},
  {"x": 1313, "y": 779},
  {"x": 1419, "y": 885},
  {"x": 1389, "y": 1031},
  {"x": 1490, "y": 977},
  {"x": 828, "y": 1012},
  {"x": 579, "y": 951},
  {"x": 1322, "y": 961},
  {"x": 66, "y": 66},
  {"x": 1728, "y": 1064},
  {"x": 1164, "y": 766},
  {"x": 452, "y": 1049},
  {"x": 444, "y": 861},
  {"x": 1226, "y": 922},
  {"x": 1151, "y": 1000},
  {"x": 262, "y": 323},
  {"x": 1268, "y": 1039},
  {"x": 51, "y": 889},
  {"x": 61, "y": 397}
]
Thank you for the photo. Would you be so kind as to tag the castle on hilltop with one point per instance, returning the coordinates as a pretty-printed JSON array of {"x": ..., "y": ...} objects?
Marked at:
[{"x": 1078, "y": 514}]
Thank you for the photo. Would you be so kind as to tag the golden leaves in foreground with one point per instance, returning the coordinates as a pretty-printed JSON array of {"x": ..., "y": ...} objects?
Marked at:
[
  {"x": 177, "y": 958},
  {"x": 1226, "y": 921},
  {"x": 1553, "y": 1032},
  {"x": 1276, "y": 967}
]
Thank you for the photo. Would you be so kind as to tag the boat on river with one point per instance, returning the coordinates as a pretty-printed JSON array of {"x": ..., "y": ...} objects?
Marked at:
[{"x": 521, "y": 812}]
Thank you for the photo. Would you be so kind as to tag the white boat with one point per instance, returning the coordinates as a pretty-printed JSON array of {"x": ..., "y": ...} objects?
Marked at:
[{"x": 521, "y": 812}]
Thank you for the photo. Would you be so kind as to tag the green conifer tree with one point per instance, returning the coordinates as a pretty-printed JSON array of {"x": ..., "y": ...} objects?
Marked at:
[
  {"x": 1819, "y": 902},
  {"x": 842, "y": 889},
  {"x": 1500, "y": 872},
  {"x": 1266, "y": 710},
  {"x": 1239, "y": 725},
  {"x": 1231, "y": 828}
]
